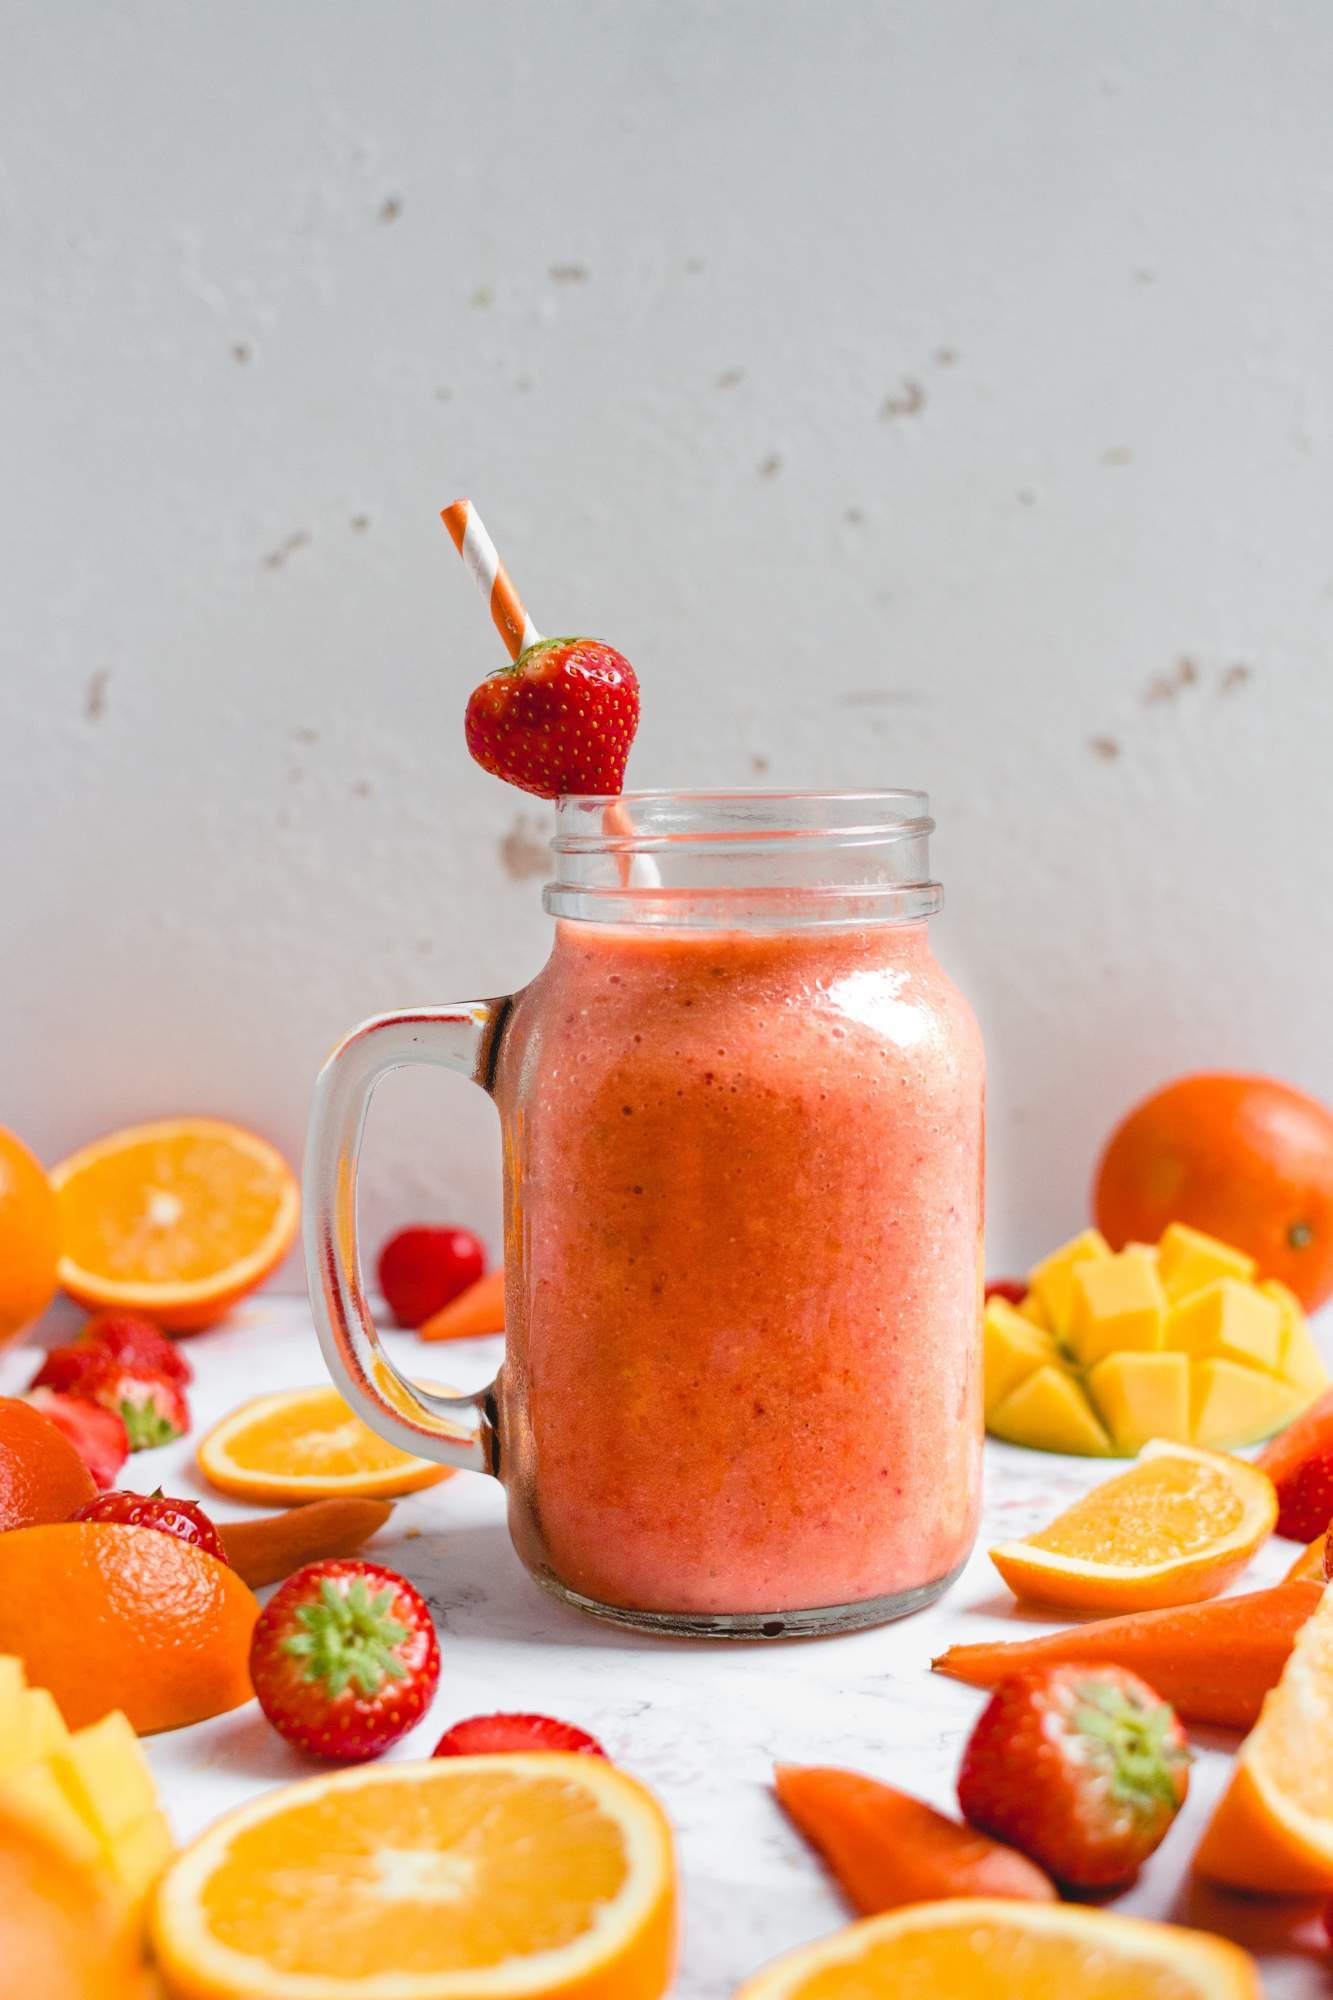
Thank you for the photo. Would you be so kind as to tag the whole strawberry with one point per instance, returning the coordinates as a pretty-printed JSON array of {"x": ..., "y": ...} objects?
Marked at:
[
  {"x": 138, "y": 1343},
  {"x": 1305, "y": 1498},
  {"x": 344, "y": 1659},
  {"x": 422, "y": 1268},
  {"x": 97, "y": 1435},
  {"x": 1082, "y": 1767},
  {"x": 185, "y": 1519},
  {"x": 152, "y": 1408},
  {"x": 560, "y": 719}
]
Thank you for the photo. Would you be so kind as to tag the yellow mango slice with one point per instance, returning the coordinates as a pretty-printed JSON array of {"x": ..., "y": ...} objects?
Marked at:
[
  {"x": 140, "y": 1853},
  {"x": 1032, "y": 1311},
  {"x": 1298, "y": 1357},
  {"x": 105, "y": 1776},
  {"x": 1011, "y": 1348},
  {"x": 1051, "y": 1282},
  {"x": 43, "y": 1723},
  {"x": 1117, "y": 1306},
  {"x": 1142, "y": 1396},
  {"x": 1050, "y": 1412},
  {"x": 1188, "y": 1260},
  {"x": 1229, "y": 1320},
  {"x": 35, "y": 1792},
  {"x": 13, "y": 1715},
  {"x": 1231, "y": 1404}
]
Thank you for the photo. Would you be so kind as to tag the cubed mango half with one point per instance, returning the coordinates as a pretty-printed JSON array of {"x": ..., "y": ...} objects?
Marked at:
[
  {"x": 1231, "y": 1404},
  {"x": 1298, "y": 1358}
]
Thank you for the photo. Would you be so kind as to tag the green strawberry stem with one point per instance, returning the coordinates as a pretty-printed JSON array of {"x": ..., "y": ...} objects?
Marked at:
[
  {"x": 348, "y": 1636},
  {"x": 1143, "y": 1758},
  {"x": 145, "y": 1426}
]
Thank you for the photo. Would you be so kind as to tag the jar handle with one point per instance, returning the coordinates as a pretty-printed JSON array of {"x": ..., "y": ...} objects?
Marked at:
[{"x": 456, "y": 1430}]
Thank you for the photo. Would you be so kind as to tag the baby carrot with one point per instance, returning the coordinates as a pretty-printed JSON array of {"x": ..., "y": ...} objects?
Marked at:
[
  {"x": 266, "y": 1550},
  {"x": 887, "y": 1848},
  {"x": 480, "y": 1309},
  {"x": 1213, "y": 1662}
]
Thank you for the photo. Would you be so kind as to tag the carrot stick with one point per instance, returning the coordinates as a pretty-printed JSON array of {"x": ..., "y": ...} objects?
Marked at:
[
  {"x": 1213, "y": 1662},
  {"x": 887, "y": 1848},
  {"x": 270, "y": 1548},
  {"x": 480, "y": 1309}
]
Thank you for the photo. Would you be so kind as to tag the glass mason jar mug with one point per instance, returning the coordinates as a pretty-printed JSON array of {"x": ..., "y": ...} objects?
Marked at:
[{"x": 742, "y": 1113}]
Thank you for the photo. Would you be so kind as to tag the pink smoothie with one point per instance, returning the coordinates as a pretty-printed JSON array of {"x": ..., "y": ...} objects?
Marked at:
[{"x": 744, "y": 1200}]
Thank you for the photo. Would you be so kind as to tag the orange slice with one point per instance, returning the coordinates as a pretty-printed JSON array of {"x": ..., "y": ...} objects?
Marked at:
[
  {"x": 464, "y": 1878},
  {"x": 1272, "y": 1829},
  {"x": 1178, "y": 1526},
  {"x": 307, "y": 1444},
  {"x": 1009, "y": 1951},
  {"x": 177, "y": 1220}
]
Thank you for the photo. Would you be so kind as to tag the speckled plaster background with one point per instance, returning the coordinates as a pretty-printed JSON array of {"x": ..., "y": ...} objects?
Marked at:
[{"x": 931, "y": 393}]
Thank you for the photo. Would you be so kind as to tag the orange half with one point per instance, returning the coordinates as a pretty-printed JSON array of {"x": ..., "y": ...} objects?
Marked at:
[
  {"x": 1177, "y": 1527},
  {"x": 1009, "y": 1951},
  {"x": 308, "y": 1444},
  {"x": 177, "y": 1220},
  {"x": 464, "y": 1878}
]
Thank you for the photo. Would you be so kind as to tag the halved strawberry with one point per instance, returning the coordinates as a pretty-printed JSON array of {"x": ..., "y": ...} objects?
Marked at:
[
  {"x": 484, "y": 1735},
  {"x": 138, "y": 1343},
  {"x": 97, "y": 1435},
  {"x": 561, "y": 718}
]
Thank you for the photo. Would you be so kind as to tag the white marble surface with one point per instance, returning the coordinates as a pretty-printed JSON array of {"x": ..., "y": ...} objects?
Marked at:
[{"x": 700, "y": 1723}]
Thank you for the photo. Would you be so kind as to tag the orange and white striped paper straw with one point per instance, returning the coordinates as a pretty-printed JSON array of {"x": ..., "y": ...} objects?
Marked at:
[{"x": 482, "y": 562}]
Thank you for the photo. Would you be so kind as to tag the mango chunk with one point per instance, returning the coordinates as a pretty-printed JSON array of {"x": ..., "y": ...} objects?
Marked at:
[
  {"x": 1051, "y": 1282},
  {"x": 1118, "y": 1305},
  {"x": 1188, "y": 1260},
  {"x": 44, "y": 1724},
  {"x": 105, "y": 1776},
  {"x": 13, "y": 1715},
  {"x": 1031, "y": 1310},
  {"x": 1142, "y": 1396},
  {"x": 1051, "y": 1412},
  {"x": 1298, "y": 1356},
  {"x": 35, "y": 1792},
  {"x": 1229, "y": 1320},
  {"x": 140, "y": 1853},
  {"x": 1011, "y": 1348},
  {"x": 1231, "y": 1404}
]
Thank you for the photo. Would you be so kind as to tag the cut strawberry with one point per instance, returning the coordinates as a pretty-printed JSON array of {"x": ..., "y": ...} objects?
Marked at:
[
  {"x": 1015, "y": 1290},
  {"x": 560, "y": 719},
  {"x": 97, "y": 1435},
  {"x": 485, "y": 1735}
]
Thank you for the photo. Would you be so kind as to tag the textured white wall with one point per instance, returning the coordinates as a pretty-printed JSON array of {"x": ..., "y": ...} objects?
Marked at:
[{"x": 930, "y": 393}]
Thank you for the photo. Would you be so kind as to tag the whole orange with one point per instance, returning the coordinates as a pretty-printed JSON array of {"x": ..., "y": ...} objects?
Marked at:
[
  {"x": 110, "y": 1616},
  {"x": 29, "y": 1237},
  {"x": 1245, "y": 1158},
  {"x": 42, "y": 1477}
]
